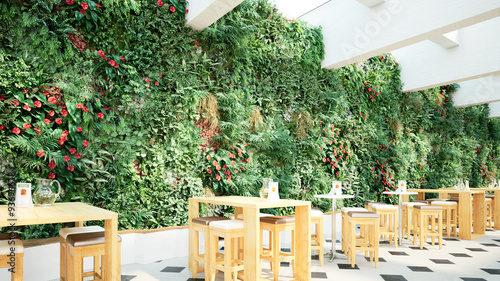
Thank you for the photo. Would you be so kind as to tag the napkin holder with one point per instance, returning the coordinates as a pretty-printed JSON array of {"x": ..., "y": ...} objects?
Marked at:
[
  {"x": 23, "y": 195},
  {"x": 274, "y": 195},
  {"x": 336, "y": 188},
  {"x": 401, "y": 186},
  {"x": 467, "y": 185}
]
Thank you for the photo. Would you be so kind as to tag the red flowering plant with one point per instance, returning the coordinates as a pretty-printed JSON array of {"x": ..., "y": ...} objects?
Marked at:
[
  {"x": 336, "y": 152},
  {"x": 177, "y": 6},
  {"x": 222, "y": 166},
  {"x": 85, "y": 13},
  {"x": 49, "y": 132}
]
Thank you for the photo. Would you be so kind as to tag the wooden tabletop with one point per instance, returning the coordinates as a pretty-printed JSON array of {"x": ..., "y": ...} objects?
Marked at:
[
  {"x": 250, "y": 202},
  {"x": 56, "y": 213},
  {"x": 448, "y": 190}
]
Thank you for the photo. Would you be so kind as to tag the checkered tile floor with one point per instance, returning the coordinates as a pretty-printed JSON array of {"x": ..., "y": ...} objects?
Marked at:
[{"x": 460, "y": 260}]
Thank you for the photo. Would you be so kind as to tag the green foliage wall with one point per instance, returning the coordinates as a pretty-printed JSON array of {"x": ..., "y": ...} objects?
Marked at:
[{"x": 139, "y": 113}]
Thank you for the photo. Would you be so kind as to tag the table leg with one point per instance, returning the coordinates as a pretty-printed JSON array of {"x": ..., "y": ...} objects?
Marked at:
[
  {"x": 400, "y": 219},
  {"x": 496, "y": 210},
  {"x": 253, "y": 245},
  {"x": 420, "y": 196},
  {"x": 78, "y": 223},
  {"x": 302, "y": 249},
  {"x": 465, "y": 207},
  {"x": 194, "y": 211},
  {"x": 112, "y": 260},
  {"x": 334, "y": 239},
  {"x": 479, "y": 214}
]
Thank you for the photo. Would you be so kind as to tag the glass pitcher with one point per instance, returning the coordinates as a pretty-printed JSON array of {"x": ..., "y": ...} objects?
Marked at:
[
  {"x": 264, "y": 191},
  {"x": 44, "y": 194}
]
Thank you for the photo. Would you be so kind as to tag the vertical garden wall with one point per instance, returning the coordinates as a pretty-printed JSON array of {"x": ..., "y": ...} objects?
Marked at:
[{"x": 133, "y": 112}]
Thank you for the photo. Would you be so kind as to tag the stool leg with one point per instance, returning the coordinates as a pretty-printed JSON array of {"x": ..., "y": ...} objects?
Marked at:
[
  {"x": 320, "y": 242},
  {"x": 433, "y": 228},
  {"x": 207, "y": 254},
  {"x": 352, "y": 242},
  {"x": 97, "y": 266},
  {"x": 214, "y": 241},
  {"x": 276, "y": 254},
  {"x": 440, "y": 232},
  {"x": 421, "y": 230},
  {"x": 78, "y": 265},
  {"x": 62, "y": 258},
  {"x": 196, "y": 246},
  {"x": 227, "y": 259}
]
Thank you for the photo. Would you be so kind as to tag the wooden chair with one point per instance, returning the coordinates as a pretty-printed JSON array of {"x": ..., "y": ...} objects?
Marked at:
[
  {"x": 63, "y": 245},
  {"x": 388, "y": 222},
  {"x": 425, "y": 224},
  {"x": 201, "y": 224},
  {"x": 369, "y": 242},
  {"x": 450, "y": 216},
  {"x": 12, "y": 259},
  {"x": 82, "y": 245},
  {"x": 345, "y": 229},
  {"x": 407, "y": 214},
  {"x": 317, "y": 239},
  {"x": 229, "y": 263},
  {"x": 275, "y": 225}
]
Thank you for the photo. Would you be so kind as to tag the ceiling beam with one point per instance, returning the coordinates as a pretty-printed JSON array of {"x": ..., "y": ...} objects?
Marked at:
[
  {"x": 353, "y": 32},
  {"x": 494, "y": 110},
  {"x": 202, "y": 13},
  {"x": 448, "y": 40},
  {"x": 478, "y": 91},
  {"x": 371, "y": 3},
  {"x": 425, "y": 65}
]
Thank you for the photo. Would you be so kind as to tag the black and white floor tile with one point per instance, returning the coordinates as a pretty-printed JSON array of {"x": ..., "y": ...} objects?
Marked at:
[{"x": 459, "y": 260}]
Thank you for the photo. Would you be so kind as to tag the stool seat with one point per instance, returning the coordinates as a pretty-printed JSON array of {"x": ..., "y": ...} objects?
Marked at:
[
  {"x": 362, "y": 215},
  {"x": 419, "y": 201},
  {"x": 353, "y": 209},
  {"x": 6, "y": 257},
  {"x": 443, "y": 203},
  {"x": 64, "y": 232},
  {"x": 384, "y": 207},
  {"x": 278, "y": 219},
  {"x": 228, "y": 224},
  {"x": 207, "y": 220},
  {"x": 427, "y": 207},
  {"x": 413, "y": 203},
  {"x": 241, "y": 216},
  {"x": 488, "y": 199},
  {"x": 492, "y": 196},
  {"x": 5, "y": 246},
  {"x": 316, "y": 212},
  {"x": 87, "y": 239}
]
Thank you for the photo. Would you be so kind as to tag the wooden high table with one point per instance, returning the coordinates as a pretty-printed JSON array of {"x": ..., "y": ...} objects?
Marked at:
[
  {"x": 468, "y": 208},
  {"x": 496, "y": 207},
  {"x": 250, "y": 207},
  {"x": 71, "y": 212}
]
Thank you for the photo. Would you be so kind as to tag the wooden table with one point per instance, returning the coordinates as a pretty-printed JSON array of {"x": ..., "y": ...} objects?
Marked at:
[
  {"x": 468, "y": 210},
  {"x": 71, "y": 212},
  {"x": 496, "y": 207},
  {"x": 250, "y": 207}
]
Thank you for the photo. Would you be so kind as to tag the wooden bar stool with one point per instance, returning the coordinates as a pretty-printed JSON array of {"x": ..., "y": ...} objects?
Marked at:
[
  {"x": 450, "y": 216},
  {"x": 63, "y": 245},
  {"x": 370, "y": 222},
  {"x": 368, "y": 205},
  {"x": 489, "y": 203},
  {"x": 425, "y": 224},
  {"x": 275, "y": 225},
  {"x": 82, "y": 245},
  {"x": 407, "y": 213},
  {"x": 202, "y": 225},
  {"x": 317, "y": 240},
  {"x": 9, "y": 260},
  {"x": 229, "y": 263},
  {"x": 388, "y": 222},
  {"x": 345, "y": 229}
]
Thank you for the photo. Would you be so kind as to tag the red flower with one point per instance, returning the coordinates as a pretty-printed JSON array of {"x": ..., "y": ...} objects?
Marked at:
[
  {"x": 157, "y": 83},
  {"x": 147, "y": 80},
  {"x": 72, "y": 150},
  {"x": 98, "y": 5},
  {"x": 321, "y": 148},
  {"x": 26, "y": 126},
  {"x": 248, "y": 160},
  {"x": 217, "y": 168},
  {"x": 215, "y": 163},
  {"x": 102, "y": 94},
  {"x": 85, "y": 143},
  {"x": 85, "y": 109},
  {"x": 59, "y": 121},
  {"x": 70, "y": 168},
  {"x": 225, "y": 166},
  {"x": 159, "y": 75},
  {"x": 40, "y": 153},
  {"x": 233, "y": 163},
  {"x": 66, "y": 158},
  {"x": 78, "y": 156},
  {"x": 172, "y": 9},
  {"x": 64, "y": 112},
  {"x": 27, "y": 107},
  {"x": 243, "y": 168},
  {"x": 85, "y": 6},
  {"x": 16, "y": 130},
  {"x": 25, "y": 91},
  {"x": 79, "y": 129},
  {"x": 52, "y": 164},
  {"x": 51, "y": 175},
  {"x": 105, "y": 108},
  {"x": 70, "y": 2},
  {"x": 46, "y": 121},
  {"x": 218, "y": 177},
  {"x": 208, "y": 158},
  {"x": 324, "y": 159},
  {"x": 2, "y": 97},
  {"x": 52, "y": 100},
  {"x": 2, "y": 127},
  {"x": 38, "y": 103},
  {"x": 51, "y": 113},
  {"x": 100, "y": 115},
  {"x": 15, "y": 102},
  {"x": 187, "y": 11},
  {"x": 209, "y": 171},
  {"x": 160, "y": 3}
]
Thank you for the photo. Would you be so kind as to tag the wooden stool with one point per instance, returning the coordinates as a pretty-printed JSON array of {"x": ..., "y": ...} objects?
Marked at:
[
  {"x": 370, "y": 222},
  {"x": 317, "y": 241},
  {"x": 368, "y": 205},
  {"x": 345, "y": 228},
  {"x": 489, "y": 211},
  {"x": 425, "y": 224},
  {"x": 63, "y": 245},
  {"x": 388, "y": 222},
  {"x": 80, "y": 246},
  {"x": 275, "y": 225},
  {"x": 202, "y": 225},
  {"x": 450, "y": 216},
  {"x": 9, "y": 259},
  {"x": 228, "y": 263},
  {"x": 407, "y": 213}
]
